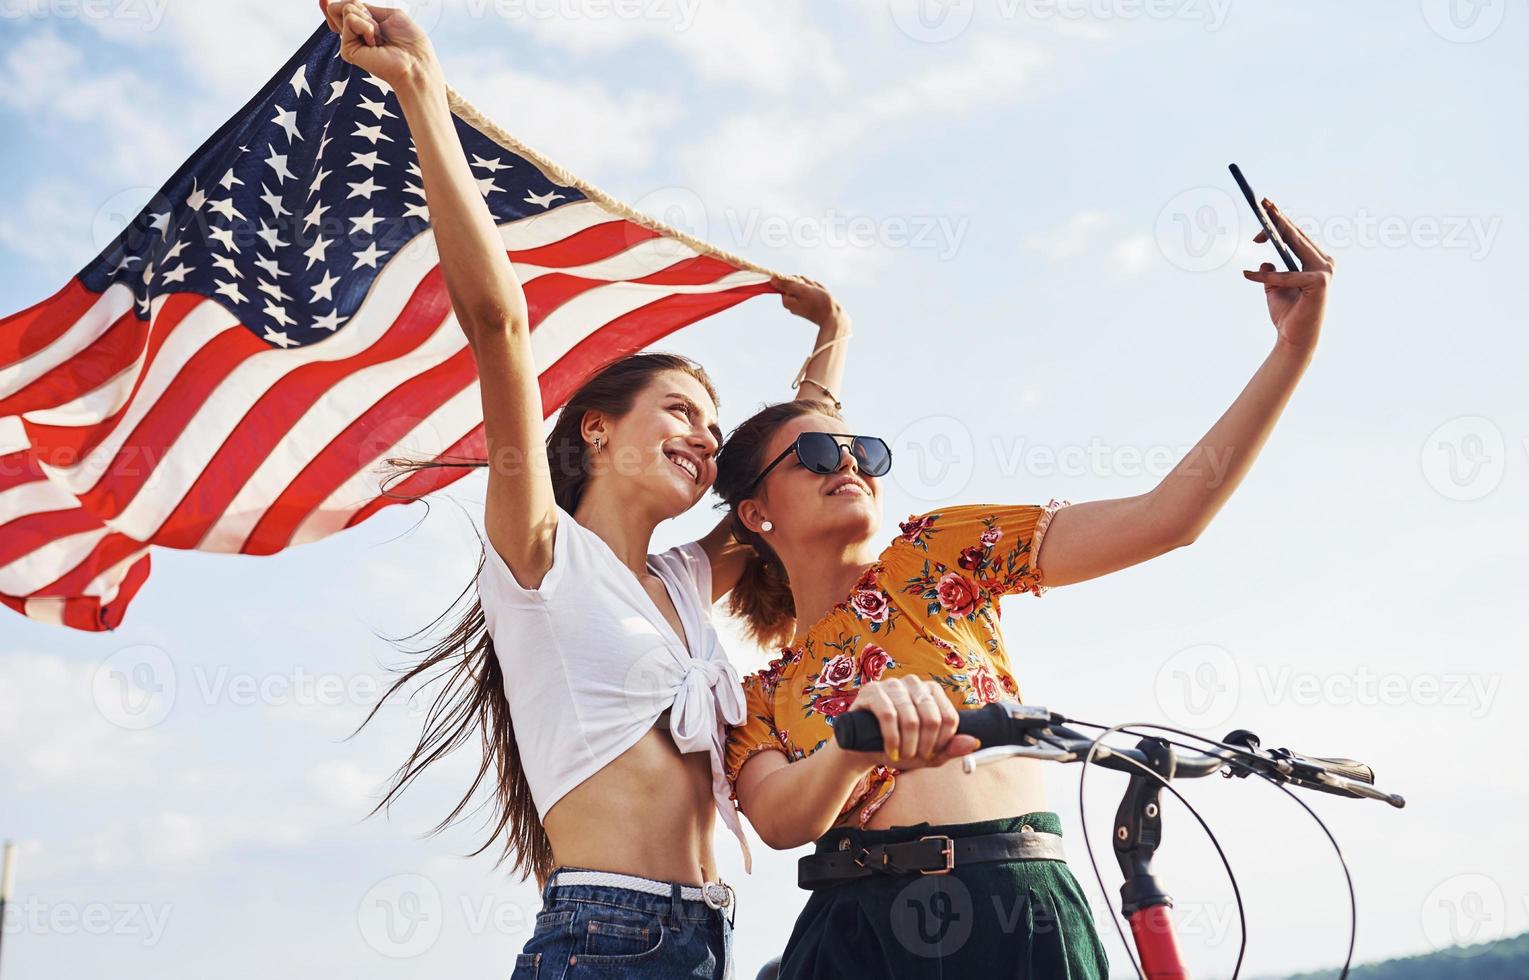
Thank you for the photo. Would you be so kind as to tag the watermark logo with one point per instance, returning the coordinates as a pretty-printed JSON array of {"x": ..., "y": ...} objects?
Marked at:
[
  {"x": 932, "y": 916},
  {"x": 1199, "y": 686},
  {"x": 1464, "y": 21},
  {"x": 1198, "y": 230},
  {"x": 135, "y": 687},
  {"x": 1464, "y": 912},
  {"x": 934, "y": 458},
  {"x": 401, "y": 916},
  {"x": 933, "y": 21},
  {"x": 1465, "y": 458}
]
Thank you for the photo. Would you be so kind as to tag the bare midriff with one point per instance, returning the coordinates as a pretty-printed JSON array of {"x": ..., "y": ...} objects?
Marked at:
[
  {"x": 649, "y": 812},
  {"x": 945, "y": 794}
]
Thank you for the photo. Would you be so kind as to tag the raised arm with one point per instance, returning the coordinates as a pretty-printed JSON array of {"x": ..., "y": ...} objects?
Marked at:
[
  {"x": 1091, "y": 539},
  {"x": 820, "y": 379},
  {"x": 520, "y": 514}
]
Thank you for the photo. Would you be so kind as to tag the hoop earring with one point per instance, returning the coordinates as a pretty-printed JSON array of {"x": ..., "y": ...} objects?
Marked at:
[{"x": 767, "y": 527}]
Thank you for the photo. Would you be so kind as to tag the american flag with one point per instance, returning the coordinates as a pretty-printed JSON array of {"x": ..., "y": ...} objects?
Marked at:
[{"x": 230, "y": 373}]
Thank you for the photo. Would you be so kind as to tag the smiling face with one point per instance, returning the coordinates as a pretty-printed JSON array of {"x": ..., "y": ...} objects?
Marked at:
[
  {"x": 843, "y": 507},
  {"x": 664, "y": 449}
]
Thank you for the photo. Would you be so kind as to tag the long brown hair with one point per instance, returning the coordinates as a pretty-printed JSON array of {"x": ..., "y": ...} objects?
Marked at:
[
  {"x": 473, "y": 698},
  {"x": 762, "y": 597}
]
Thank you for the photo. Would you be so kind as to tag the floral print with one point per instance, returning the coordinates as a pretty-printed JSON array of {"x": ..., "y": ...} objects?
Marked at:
[{"x": 927, "y": 607}]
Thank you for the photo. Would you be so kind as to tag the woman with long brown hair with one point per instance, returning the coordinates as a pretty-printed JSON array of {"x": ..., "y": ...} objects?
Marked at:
[
  {"x": 909, "y": 630},
  {"x": 588, "y": 668}
]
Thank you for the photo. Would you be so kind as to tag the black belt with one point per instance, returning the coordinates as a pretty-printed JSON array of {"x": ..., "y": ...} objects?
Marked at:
[{"x": 933, "y": 855}]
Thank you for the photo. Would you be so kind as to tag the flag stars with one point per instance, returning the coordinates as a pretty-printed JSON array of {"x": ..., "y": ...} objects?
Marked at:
[
  {"x": 299, "y": 81},
  {"x": 325, "y": 287},
  {"x": 419, "y": 211},
  {"x": 372, "y": 133},
  {"x": 287, "y": 120},
  {"x": 382, "y": 86},
  {"x": 273, "y": 201},
  {"x": 364, "y": 224},
  {"x": 329, "y": 321},
  {"x": 369, "y": 256},
  {"x": 229, "y": 181},
  {"x": 196, "y": 198},
  {"x": 274, "y": 291},
  {"x": 492, "y": 166},
  {"x": 270, "y": 268},
  {"x": 160, "y": 223},
  {"x": 364, "y": 189},
  {"x": 318, "y": 182},
  {"x": 226, "y": 264},
  {"x": 226, "y": 208},
  {"x": 377, "y": 109},
  {"x": 278, "y": 314},
  {"x": 368, "y": 160},
  {"x": 175, "y": 251},
  {"x": 272, "y": 236},
  {"x": 178, "y": 274},
  {"x": 231, "y": 290},
  {"x": 224, "y": 237},
  {"x": 543, "y": 200},
  {"x": 277, "y": 337},
  {"x": 315, "y": 216},
  {"x": 278, "y": 163},
  {"x": 337, "y": 89},
  {"x": 486, "y": 186},
  {"x": 316, "y": 251}
]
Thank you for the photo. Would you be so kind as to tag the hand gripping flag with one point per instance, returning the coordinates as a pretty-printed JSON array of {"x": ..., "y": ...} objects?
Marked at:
[{"x": 231, "y": 372}]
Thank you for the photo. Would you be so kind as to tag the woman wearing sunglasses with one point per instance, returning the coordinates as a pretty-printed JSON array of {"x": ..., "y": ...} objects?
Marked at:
[
  {"x": 906, "y": 626},
  {"x": 589, "y": 670}
]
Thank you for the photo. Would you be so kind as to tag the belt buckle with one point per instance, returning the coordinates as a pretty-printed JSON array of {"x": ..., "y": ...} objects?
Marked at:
[
  {"x": 717, "y": 894},
  {"x": 949, "y": 850}
]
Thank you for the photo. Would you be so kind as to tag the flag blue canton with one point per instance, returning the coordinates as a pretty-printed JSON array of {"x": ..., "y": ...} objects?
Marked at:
[{"x": 289, "y": 212}]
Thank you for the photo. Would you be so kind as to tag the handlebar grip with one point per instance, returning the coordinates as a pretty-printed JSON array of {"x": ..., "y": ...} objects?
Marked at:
[
  {"x": 860, "y": 731},
  {"x": 1347, "y": 768}
]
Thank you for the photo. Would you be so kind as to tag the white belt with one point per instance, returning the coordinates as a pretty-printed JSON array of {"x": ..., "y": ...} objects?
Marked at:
[{"x": 716, "y": 894}]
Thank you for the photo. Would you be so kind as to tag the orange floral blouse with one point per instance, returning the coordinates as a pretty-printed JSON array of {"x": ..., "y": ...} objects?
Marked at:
[{"x": 927, "y": 607}]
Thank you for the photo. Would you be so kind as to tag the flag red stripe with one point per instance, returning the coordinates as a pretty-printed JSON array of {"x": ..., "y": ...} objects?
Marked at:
[
  {"x": 589, "y": 245},
  {"x": 373, "y": 432},
  {"x": 269, "y": 419},
  {"x": 86, "y": 371},
  {"x": 24, "y": 334}
]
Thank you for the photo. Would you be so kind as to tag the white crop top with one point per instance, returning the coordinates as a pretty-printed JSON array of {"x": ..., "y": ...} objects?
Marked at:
[{"x": 590, "y": 663}]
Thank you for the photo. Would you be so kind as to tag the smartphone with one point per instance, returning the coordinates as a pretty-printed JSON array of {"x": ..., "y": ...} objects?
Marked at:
[{"x": 1263, "y": 219}]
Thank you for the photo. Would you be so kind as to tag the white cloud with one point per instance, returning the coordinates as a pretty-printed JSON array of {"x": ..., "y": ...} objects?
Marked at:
[
  {"x": 611, "y": 131},
  {"x": 1091, "y": 233},
  {"x": 771, "y": 47}
]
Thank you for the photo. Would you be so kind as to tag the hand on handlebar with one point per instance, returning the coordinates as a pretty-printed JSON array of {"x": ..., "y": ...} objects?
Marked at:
[{"x": 918, "y": 723}]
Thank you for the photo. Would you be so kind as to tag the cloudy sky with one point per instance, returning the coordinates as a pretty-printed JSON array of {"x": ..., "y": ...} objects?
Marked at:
[{"x": 1025, "y": 207}]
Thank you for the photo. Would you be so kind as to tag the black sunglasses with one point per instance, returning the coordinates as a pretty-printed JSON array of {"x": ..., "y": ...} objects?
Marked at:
[{"x": 820, "y": 452}]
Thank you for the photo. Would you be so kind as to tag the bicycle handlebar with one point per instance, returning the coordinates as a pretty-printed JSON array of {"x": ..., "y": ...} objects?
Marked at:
[{"x": 1010, "y": 730}]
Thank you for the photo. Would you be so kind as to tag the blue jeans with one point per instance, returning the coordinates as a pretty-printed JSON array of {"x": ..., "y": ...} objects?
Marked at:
[{"x": 624, "y": 934}]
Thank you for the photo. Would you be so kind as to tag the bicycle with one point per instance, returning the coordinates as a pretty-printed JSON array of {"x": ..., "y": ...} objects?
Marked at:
[{"x": 1010, "y": 730}]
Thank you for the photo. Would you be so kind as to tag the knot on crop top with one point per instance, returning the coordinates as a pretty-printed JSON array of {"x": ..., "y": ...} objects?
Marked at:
[{"x": 709, "y": 692}]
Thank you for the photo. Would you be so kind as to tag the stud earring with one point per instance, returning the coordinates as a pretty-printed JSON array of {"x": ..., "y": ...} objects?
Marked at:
[
  {"x": 597, "y": 444},
  {"x": 767, "y": 526}
]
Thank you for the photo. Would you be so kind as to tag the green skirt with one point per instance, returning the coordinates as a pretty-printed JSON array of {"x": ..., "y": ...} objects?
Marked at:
[{"x": 1013, "y": 919}]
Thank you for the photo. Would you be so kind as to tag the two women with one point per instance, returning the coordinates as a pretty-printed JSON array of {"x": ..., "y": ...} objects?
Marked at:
[
  {"x": 909, "y": 630},
  {"x": 589, "y": 668}
]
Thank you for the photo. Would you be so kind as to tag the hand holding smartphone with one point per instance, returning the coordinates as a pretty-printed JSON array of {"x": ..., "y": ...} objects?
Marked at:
[{"x": 1263, "y": 219}]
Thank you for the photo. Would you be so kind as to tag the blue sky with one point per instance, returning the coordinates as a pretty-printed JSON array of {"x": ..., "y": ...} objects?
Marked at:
[{"x": 1025, "y": 207}]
